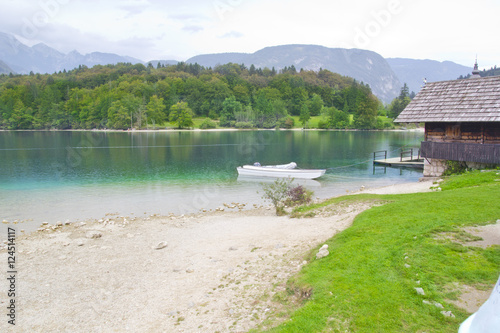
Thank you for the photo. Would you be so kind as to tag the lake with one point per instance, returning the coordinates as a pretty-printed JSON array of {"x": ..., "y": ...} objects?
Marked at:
[{"x": 76, "y": 175}]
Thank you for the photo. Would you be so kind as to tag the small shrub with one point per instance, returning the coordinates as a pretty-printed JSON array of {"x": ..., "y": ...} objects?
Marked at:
[
  {"x": 282, "y": 193},
  {"x": 243, "y": 124},
  {"x": 289, "y": 123},
  {"x": 224, "y": 121},
  {"x": 269, "y": 123},
  {"x": 208, "y": 124},
  {"x": 455, "y": 168},
  {"x": 298, "y": 195},
  {"x": 277, "y": 192},
  {"x": 323, "y": 124}
]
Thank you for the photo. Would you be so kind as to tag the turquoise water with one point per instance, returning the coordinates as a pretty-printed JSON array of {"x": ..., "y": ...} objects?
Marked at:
[{"x": 59, "y": 176}]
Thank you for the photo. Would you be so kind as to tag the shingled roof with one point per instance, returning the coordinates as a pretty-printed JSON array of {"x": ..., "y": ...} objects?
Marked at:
[{"x": 469, "y": 100}]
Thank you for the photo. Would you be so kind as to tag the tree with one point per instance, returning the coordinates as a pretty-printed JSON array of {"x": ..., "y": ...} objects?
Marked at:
[
  {"x": 126, "y": 95},
  {"x": 155, "y": 110},
  {"x": 21, "y": 118},
  {"x": 60, "y": 119},
  {"x": 299, "y": 98},
  {"x": 119, "y": 116},
  {"x": 315, "y": 105},
  {"x": 279, "y": 109},
  {"x": 230, "y": 107},
  {"x": 241, "y": 93},
  {"x": 121, "y": 112},
  {"x": 140, "y": 113},
  {"x": 366, "y": 114},
  {"x": 400, "y": 102},
  {"x": 337, "y": 118},
  {"x": 181, "y": 114},
  {"x": 304, "y": 115}
]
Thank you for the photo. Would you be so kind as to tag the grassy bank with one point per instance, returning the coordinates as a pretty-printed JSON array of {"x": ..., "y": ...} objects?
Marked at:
[
  {"x": 313, "y": 123},
  {"x": 367, "y": 283}
]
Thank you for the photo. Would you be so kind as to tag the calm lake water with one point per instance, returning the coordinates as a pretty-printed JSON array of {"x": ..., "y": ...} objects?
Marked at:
[{"x": 59, "y": 176}]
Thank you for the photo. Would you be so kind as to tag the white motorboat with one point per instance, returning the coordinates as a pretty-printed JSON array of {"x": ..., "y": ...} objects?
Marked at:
[{"x": 280, "y": 171}]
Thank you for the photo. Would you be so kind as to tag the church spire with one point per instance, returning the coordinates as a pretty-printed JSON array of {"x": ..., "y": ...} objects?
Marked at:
[{"x": 475, "y": 72}]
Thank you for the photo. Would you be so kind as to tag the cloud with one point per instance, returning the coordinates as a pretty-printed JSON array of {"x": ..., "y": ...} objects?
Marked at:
[
  {"x": 190, "y": 17},
  {"x": 153, "y": 28},
  {"x": 232, "y": 34},
  {"x": 192, "y": 28}
]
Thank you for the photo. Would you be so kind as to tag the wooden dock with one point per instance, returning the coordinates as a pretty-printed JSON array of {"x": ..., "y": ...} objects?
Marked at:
[
  {"x": 398, "y": 162},
  {"x": 405, "y": 160}
]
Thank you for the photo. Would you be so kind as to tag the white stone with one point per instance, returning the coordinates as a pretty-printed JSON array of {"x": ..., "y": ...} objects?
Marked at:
[
  {"x": 448, "y": 314},
  {"x": 438, "y": 305},
  {"x": 161, "y": 245},
  {"x": 420, "y": 291},
  {"x": 323, "y": 252}
]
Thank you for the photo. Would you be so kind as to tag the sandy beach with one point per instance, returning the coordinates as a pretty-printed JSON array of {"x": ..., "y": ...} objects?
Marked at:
[{"x": 212, "y": 272}]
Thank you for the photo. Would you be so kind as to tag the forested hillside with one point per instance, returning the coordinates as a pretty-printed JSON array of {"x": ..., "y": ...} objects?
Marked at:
[
  {"x": 124, "y": 95},
  {"x": 493, "y": 71}
]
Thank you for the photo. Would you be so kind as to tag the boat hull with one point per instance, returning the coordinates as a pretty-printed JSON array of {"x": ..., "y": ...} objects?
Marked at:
[{"x": 262, "y": 171}]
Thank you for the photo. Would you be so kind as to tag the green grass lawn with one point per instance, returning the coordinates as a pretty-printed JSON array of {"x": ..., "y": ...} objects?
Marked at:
[
  {"x": 196, "y": 123},
  {"x": 367, "y": 283},
  {"x": 312, "y": 123}
]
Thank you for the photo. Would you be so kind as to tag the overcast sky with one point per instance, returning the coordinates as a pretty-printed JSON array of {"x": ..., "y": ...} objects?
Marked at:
[{"x": 441, "y": 30}]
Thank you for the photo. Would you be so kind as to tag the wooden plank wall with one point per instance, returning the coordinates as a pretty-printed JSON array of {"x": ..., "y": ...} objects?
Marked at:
[
  {"x": 459, "y": 151},
  {"x": 481, "y": 133}
]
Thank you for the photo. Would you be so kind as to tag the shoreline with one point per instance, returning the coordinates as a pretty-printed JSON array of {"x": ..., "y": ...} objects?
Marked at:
[
  {"x": 175, "y": 130},
  {"x": 202, "y": 272},
  {"x": 239, "y": 207}
]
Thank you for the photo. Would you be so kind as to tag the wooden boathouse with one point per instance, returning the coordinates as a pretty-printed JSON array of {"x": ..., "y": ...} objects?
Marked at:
[{"x": 462, "y": 122}]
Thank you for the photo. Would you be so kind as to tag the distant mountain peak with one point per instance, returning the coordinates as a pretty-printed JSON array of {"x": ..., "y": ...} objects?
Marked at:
[{"x": 46, "y": 50}]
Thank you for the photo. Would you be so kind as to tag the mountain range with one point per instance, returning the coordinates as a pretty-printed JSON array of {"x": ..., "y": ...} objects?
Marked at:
[
  {"x": 414, "y": 72},
  {"x": 385, "y": 76},
  {"x": 366, "y": 66},
  {"x": 40, "y": 58}
]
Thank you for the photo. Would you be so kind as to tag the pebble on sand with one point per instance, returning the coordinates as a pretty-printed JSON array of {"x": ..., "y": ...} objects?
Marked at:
[{"x": 161, "y": 245}]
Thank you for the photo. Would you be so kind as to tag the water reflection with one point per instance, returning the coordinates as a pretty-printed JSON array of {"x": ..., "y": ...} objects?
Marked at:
[{"x": 51, "y": 176}]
